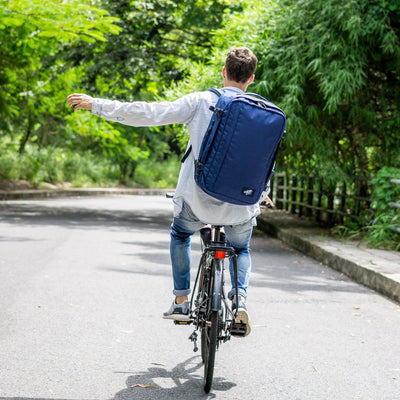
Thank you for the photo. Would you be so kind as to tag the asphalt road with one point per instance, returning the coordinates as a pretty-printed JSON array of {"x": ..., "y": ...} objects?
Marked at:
[{"x": 84, "y": 282}]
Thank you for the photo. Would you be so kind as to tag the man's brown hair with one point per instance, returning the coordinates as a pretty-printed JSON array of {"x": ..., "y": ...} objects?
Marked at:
[{"x": 240, "y": 64}]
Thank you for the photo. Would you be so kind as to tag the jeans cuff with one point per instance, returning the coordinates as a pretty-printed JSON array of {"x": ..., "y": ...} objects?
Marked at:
[
  {"x": 241, "y": 292},
  {"x": 184, "y": 292}
]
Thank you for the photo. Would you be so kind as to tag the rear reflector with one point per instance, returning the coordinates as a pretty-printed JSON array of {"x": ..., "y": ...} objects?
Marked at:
[{"x": 219, "y": 254}]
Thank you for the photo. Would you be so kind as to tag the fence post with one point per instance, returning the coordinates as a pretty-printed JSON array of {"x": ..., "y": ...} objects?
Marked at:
[
  {"x": 279, "y": 191},
  {"x": 310, "y": 197},
  {"x": 271, "y": 190},
  {"x": 319, "y": 203},
  {"x": 287, "y": 192},
  {"x": 331, "y": 202},
  {"x": 294, "y": 194}
]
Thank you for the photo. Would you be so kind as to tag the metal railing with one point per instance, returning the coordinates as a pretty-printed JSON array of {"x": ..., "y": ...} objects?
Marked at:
[{"x": 328, "y": 203}]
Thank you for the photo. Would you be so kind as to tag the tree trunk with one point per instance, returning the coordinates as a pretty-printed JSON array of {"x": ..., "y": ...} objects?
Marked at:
[{"x": 25, "y": 139}]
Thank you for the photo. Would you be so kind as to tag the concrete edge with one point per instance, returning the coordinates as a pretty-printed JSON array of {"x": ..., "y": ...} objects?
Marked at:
[
  {"x": 56, "y": 193},
  {"x": 357, "y": 272}
]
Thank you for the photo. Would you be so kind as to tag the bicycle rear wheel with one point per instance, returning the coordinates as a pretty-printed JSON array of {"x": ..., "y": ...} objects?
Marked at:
[
  {"x": 211, "y": 329},
  {"x": 205, "y": 292},
  {"x": 209, "y": 341}
]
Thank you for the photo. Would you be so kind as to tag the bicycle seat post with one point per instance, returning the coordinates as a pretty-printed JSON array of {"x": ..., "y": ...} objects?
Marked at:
[{"x": 216, "y": 230}]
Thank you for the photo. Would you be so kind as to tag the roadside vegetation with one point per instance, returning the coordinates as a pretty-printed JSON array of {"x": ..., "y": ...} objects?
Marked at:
[{"x": 333, "y": 66}]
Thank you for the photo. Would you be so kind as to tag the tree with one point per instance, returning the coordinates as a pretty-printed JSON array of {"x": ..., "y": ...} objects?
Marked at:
[
  {"x": 334, "y": 67},
  {"x": 158, "y": 40},
  {"x": 32, "y": 77}
]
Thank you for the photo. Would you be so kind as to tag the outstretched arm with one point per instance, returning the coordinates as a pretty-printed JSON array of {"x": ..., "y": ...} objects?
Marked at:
[
  {"x": 138, "y": 113},
  {"x": 80, "y": 100}
]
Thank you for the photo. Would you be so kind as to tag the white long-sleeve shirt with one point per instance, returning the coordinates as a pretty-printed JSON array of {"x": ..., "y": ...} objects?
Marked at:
[{"x": 192, "y": 110}]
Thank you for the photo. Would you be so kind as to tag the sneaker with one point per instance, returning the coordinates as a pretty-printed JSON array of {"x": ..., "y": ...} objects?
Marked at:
[
  {"x": 241, "y": 326},
  {"x": 178, "y": 312}
]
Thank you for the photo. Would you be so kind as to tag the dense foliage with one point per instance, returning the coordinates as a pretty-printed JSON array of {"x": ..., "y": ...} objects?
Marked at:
[
  {"x": 334, "y": 66},
  {"x": 33, "y": 79},
  {"x": 384, "y": 229}
]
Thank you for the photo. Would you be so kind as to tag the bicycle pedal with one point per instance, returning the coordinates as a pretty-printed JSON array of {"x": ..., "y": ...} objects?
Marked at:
[
  {"x": 182, "y": 322},
  {"x": 239, "y": 330}
]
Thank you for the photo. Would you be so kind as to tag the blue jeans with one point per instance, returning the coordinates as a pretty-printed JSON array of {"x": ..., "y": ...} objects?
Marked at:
[{"x": 238, "y": 237}]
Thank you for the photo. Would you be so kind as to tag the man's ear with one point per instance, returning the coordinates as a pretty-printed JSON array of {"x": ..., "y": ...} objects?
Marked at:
[
  {"x": 224, "y": 72},
  {"x": 251, "y": 79}
]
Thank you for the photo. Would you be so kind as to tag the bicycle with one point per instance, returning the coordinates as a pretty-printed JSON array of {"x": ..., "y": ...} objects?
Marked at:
[{"x": 210, "y": 312}]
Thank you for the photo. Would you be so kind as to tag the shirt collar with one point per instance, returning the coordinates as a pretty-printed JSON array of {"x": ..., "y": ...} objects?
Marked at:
[{"x": 233, "y": 89}]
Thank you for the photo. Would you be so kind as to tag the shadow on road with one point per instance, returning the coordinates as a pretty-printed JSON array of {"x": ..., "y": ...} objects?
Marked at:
[
  {"x": 76, "y": 217},
  {"x": 182, "y": 382},
  {"x": 185, "y": 381}
]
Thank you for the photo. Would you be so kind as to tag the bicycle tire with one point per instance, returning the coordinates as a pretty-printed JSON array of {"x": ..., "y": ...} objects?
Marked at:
[
  {"x": 204, "y": 346},
  {"x": 207, "y": 286},
  {"x": 209, "y": 340},
  {"x": 210, "y": 332}
]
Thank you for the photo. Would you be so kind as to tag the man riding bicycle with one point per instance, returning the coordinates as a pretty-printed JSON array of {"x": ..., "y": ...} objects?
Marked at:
[{"x": 193, "y": 208}]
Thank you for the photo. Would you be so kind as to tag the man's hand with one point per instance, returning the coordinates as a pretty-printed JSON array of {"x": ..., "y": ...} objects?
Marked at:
[
  {"x": 267, "y": 202},
  {"x": 80, "y": 101}
]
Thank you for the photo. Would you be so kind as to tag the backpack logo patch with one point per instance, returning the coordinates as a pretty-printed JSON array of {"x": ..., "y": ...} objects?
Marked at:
[{"x": 248, "y": 192}]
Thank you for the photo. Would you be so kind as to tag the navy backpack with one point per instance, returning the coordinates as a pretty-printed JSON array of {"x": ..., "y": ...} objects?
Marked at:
[{"x": 239, "y": 148}]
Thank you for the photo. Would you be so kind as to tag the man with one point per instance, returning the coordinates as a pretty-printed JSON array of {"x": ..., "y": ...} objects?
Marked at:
[{"x": 193, "y": 208}]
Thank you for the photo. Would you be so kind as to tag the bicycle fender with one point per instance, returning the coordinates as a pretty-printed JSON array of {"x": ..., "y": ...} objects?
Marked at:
[{"x": 217, "y": 289}]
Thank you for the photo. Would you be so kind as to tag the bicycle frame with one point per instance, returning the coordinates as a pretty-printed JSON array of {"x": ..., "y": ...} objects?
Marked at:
[
  {"x": 212, "y": 315},
  {"x": 212, "y": 265}
]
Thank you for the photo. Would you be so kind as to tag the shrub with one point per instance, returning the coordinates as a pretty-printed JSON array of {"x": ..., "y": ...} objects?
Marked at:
[
  {"x": 381, "y": 232},
  {"x": 162, "y": 174}
]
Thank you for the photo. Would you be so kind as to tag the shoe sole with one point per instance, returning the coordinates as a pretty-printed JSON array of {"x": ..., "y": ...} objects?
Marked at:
[
  {"x": 243, "y": 318},
  {"x": 177, "y": 317}
]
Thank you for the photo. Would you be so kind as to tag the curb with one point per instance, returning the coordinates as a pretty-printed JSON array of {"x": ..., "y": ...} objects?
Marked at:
[
  {"x": 55, "y": 193},
  {"x": 376, "y": 269}
]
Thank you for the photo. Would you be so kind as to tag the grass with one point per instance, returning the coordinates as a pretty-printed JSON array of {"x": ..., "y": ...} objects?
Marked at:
[{"x": 58, "y": 167}]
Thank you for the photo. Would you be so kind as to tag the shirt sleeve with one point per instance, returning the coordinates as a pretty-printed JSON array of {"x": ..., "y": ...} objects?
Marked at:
[{"x": 141, "y": 113}]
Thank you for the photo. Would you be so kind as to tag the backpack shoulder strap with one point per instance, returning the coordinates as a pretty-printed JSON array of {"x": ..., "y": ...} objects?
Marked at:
[
  {"x": 255, "y": 95},
  {"x": 188, "y": 151},
  {"x": 215, "y": 91},
  {"x": 190, "y": 148}
]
